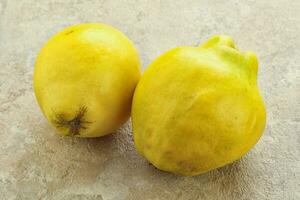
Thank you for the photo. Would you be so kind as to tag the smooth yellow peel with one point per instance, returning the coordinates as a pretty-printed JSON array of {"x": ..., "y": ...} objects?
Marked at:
[
  {"x": 198, "y": 108},
  {"x": 84, "y": 79}
]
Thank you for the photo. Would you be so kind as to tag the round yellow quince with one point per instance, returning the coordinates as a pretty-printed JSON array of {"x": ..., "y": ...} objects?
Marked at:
[{"x": 84, "y": 79}]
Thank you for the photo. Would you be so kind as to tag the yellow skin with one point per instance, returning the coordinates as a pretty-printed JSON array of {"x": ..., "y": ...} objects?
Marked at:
[
  {"x": 84, "y": 79},
  {"x": 198, "y": 108}
]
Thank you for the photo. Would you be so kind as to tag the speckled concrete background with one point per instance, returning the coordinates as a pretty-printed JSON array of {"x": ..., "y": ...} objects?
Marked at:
[{"x": 37, "y": 164}]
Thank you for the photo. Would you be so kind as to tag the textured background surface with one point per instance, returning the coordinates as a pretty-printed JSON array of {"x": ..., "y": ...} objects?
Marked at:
[{"x": 37, "y": 164}]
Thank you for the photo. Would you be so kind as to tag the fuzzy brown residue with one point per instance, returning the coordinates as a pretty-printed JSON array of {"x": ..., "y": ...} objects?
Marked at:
[{"x": 74, "y": 125}]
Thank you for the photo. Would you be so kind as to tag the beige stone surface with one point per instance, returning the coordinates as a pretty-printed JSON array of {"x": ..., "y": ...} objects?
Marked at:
[{"x": 35, "y": 163}]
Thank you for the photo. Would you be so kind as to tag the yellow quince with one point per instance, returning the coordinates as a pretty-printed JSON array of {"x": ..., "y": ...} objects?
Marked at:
[
  {"x": 198, "y": 108},
  {"x": 84, "y": 79}
]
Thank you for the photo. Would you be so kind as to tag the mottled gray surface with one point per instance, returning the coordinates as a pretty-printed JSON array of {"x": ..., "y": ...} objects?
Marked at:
[{"x": 37, "y": 164}]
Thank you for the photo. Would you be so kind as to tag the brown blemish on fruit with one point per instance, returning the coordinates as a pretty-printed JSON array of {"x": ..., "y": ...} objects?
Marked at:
[
  {"x": 69, "y": 32},
  {"x": 187, "y": 166},
  {"x": 74, "y": 125}
]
